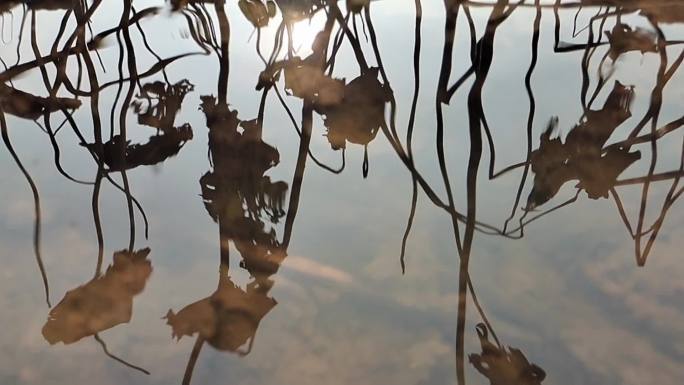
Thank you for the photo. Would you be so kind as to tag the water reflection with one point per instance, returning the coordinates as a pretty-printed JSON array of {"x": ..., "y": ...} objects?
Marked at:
[
  {"x": 504, "y": 366},
  {"x": 161, "y": 116},
  {"x": 605, "y": 152},
  {"x": 238, "y": 196},
  {"x": 555, "y": 163},
  {"x": 102, "y": 303}
]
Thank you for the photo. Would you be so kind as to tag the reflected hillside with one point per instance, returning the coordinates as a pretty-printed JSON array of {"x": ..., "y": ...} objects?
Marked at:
[{"x": 118, "y": 92}]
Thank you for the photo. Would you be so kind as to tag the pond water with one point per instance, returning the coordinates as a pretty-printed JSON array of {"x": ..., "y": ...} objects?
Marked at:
[{"x": 355, "y": 192}]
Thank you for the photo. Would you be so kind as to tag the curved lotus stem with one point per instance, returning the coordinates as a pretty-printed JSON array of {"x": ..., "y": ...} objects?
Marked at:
[{"x": 117, "y": 359}]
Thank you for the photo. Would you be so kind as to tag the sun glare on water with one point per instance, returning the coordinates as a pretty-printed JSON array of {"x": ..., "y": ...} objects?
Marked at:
[{"x": 304, "y": 33}]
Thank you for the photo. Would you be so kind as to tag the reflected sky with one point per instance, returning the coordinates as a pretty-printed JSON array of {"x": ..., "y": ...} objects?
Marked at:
[{"x": 313, "y": 191}]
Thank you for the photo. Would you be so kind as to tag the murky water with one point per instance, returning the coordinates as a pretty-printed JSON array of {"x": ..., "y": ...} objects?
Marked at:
[{"x": 320, "y": 192}]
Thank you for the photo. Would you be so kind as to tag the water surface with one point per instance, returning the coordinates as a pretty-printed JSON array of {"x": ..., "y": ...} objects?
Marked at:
[{"x": 321, "y": 192}]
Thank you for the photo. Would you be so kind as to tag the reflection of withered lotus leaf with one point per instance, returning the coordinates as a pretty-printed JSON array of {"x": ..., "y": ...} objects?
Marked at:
[
  {"x": 102, "y": 303},
  {"x": 356, "y": 6},
  {"x": 296, "y": 10},
  {"x": 662, "y": 11},
  {"x": 256, "y": 12},
  {"x": 177, "y": 5},
  {"x": 36, "y": 5},
  {"x": 550, "y": 153},
  {"x": 359, "y": 116},
  {"x": 227, "y": 319},
  {"x": 594, "y": 131},
  {"x": 598, "y": 175},
  {"x": 240, "y": 159},
  {"x": 219, "y": 117},
  {"x": 504, "y": 366},
  {"x": 158, "y": 149},
  {"x": 232, "y": 198},
  {"x": 163, "y": 103},
  {"x": 7, "y": 6},
  {"x": 307, "y": 81},
  {"x": 580, "y": 157},
  {"x": 548, "y": 184},
  {"x": 157, "y": 107},
  {"x": 238, "y": 155},
  {"x": 27, "y": 106},
  {"x": 260, "y": 257},
  {"x": 624, "y": 39},
  {"x": 50, "y": 4}
]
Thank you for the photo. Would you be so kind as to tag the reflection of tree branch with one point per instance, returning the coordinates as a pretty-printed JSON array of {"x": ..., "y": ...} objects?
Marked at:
[
  {"x": 530, "y": 117},
  {"x": 36, "y": 204},
  {"x": 299, "y": 132},
  {"x": 21, "y": 35},
  {"x": 409, "y": 130},
  {"x": 621, "y": 211},
  {"x": 82, "y": 17},
  {"x": 447, "y": 53},
  {"x": 664, "y": 75},
  {"x": 482, "y": 64},
  {"x": 115, "y": 358},
  {"x": 657, "y": 134},
  {"x": 586, "y": 59},
  {"x": 52, "y": 99},
  {"x": 654, "y": 111},
  {"x": 194, "y": 355},
  {"x": 543, "y": 214},
  {"x": 137, "y": 16},
  {"x": 157, "y": 67},
  {"x": 672, "y": 196},
  {"x": 305, "y": 140},
  {"x": 133, "y": 72},
  {"x": 72, "y": 123},
  {"x": 295, "y": 192}
]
